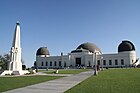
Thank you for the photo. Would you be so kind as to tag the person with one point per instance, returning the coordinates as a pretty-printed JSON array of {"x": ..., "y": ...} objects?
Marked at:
[
  {"x": 56, "y": 71},
  {"x": 46, "y": 69}
]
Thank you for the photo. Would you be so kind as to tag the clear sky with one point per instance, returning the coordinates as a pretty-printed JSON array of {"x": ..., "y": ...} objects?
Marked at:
[{"x": 62, "y": 25}]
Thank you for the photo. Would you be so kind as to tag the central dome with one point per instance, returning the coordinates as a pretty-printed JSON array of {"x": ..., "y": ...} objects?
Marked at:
[
  {"x": 89, "y": 46},
  {"x": 42, "y": 51}
]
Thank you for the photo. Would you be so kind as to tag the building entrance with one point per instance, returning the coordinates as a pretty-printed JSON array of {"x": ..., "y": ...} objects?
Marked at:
[{"x": 78, "y": 61}]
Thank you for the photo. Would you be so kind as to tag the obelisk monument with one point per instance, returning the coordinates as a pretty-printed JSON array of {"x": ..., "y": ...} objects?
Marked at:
[{"x": 15, "y": 64}]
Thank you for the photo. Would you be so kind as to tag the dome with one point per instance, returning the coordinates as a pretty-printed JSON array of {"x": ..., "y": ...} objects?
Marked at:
[
  {"x": 126, "y": 46},
  {"x": 79, "y": 50},
  {"x": 42, "y": 51},
  {"x": 89, "y": 46}
]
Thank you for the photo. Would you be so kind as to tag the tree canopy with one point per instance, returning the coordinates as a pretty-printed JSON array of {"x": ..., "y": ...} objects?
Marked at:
[{"x": 4, "y": 60}]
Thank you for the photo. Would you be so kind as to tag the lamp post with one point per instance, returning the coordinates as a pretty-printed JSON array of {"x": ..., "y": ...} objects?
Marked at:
[
  {"x": 101, "y": 63},
  {"x": 95, "y": 72}
]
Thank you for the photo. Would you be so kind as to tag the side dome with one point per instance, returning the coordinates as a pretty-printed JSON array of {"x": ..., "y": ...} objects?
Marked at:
[
  {"x": 89, "y": 46},
  {"x": 126, "y": 46},
  {"x": 42, "y": 51}
]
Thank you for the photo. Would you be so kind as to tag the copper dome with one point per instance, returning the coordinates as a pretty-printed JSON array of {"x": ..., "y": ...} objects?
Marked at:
[
  {"x": 126, "y": 46},
  {"x": 42, "y": 51},
  {"x": 89, "y": 46}
]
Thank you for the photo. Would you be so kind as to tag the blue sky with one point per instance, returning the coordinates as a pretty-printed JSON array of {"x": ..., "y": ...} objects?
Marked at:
[{"x": 62, "y": 25}]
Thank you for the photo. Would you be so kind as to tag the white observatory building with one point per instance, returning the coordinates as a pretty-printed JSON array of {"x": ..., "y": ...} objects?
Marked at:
[{"x": 88, "y": 55}]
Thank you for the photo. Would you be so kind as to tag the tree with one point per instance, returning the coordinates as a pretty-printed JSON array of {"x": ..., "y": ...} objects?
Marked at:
[
  {"x": 35, "y": 63},
  {"x": 23, "y": 67},
  {"x": 4, "y": 61}
]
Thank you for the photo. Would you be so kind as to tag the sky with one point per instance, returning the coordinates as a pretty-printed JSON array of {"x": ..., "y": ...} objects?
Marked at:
[{"x": 62, "y": 25}]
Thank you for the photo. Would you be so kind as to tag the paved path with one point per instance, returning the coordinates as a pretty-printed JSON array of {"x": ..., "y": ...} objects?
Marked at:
[
  {"x": 54, "y": 86},
  {"x": 41, "y": 73}
]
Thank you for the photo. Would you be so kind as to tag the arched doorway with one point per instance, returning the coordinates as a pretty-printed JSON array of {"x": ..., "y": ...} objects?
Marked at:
[{"x": 78, "y": 61}]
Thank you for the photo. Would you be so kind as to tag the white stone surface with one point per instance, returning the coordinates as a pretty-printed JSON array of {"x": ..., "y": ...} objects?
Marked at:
[
  {"x": 88, "y": 59},
  {"x": 15, "y": 65}
]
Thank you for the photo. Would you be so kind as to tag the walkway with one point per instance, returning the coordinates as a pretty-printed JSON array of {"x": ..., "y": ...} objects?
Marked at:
[{"x": 54, "y": 86}]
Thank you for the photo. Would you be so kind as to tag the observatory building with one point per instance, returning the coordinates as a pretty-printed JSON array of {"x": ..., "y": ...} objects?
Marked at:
[{"x": 88, "y": 55}]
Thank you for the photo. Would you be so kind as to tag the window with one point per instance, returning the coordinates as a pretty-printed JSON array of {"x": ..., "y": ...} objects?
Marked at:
[
  {"x": 50, "y": 63},
  {"x": 110, "y": 62},
  {"x": 59, "y": 63},
  {"x": 132, "y": 61},
  {"x": 89, "y": 63},
  {"x": 104, "y": 62},
  {"x": 65, "y": 64},
  {"x": 122, "y": 62},
  {"x": 54, "y": 63},
  {"x": 116, "y": 62},
  {"x": 98, "y": 62},
  {"x": 42, "y": 63},
  {"x": 46, "y": 63}
]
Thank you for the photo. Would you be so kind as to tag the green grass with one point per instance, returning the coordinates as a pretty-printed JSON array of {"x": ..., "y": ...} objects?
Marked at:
[
  {"x": 66, "y": 71},
  {"x": 8, "y": 83},
  {"x": 111, "y": 81}
]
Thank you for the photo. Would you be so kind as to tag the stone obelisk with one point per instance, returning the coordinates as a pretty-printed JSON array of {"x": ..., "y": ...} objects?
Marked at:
[{"x": 16, "y": 64}]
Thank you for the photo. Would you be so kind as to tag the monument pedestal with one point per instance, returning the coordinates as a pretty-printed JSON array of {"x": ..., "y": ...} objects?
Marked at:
[
  {"x": 8, "y": 72},
  {"x": 16, "y": 73}
]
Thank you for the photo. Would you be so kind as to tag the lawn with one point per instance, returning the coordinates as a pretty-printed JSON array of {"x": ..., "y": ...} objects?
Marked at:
[
  {"x": 111, "y": 81},
  {"x": 66, "y": 71},
  {"x": 8, "y": 83}
]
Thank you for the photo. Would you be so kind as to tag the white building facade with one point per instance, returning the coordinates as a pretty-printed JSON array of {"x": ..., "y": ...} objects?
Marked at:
[{"x": 88, "y": 55}]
